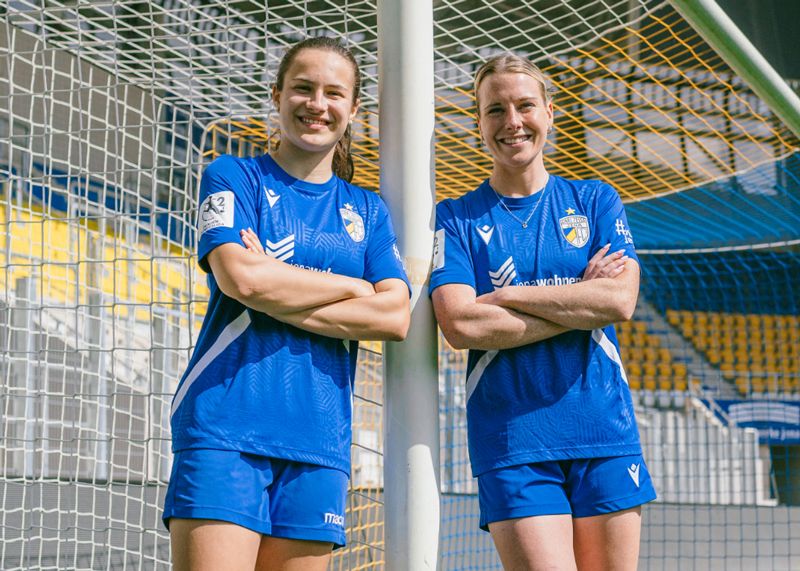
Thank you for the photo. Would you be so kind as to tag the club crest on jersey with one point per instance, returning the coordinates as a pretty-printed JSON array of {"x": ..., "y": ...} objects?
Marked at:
[
  {"x": 575, "y": 228},
  {"x": 353, "y": 222}
]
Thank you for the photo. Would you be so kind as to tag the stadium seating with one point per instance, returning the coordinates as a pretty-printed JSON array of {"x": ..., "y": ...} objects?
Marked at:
[{"x": 758, "y": 353}]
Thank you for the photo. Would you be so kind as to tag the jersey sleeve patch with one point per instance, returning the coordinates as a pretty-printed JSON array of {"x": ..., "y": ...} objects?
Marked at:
[
  {"x": 438, "y": 249},
  {"x": 216, "y": 210}
]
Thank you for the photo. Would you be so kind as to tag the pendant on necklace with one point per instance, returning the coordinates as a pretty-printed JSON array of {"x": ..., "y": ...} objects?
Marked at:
[{"x": 524, "y": 224}]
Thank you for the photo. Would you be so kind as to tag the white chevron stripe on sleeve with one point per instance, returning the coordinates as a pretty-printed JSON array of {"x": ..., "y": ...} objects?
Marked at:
[{"x": 503, "y": 268}]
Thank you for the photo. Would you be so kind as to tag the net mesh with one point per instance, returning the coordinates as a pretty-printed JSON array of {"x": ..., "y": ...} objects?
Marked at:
[{"x": 111, "y": 110}]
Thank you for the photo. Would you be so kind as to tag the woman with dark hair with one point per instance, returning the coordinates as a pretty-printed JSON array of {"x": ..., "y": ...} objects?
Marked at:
[
  {"x": 261, "y": 420},
  {"x": 523, "y": 278}
]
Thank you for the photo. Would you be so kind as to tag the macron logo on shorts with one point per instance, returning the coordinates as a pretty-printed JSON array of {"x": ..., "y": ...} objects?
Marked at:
[
  {"x": 633, "y": 472},
  {"x": 334, "y": 519}
]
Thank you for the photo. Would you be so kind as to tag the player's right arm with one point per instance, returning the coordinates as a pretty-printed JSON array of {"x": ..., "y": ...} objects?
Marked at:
[
  {"x": 467, "y": 324},
  {"x": 229, "y": 205}
]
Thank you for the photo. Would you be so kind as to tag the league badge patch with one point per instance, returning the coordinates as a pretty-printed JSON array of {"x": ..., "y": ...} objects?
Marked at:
[
  {"x": 215, "y": 211},
  {"x": 575, "y": 228},
  {"x": 353, "y": 222}
]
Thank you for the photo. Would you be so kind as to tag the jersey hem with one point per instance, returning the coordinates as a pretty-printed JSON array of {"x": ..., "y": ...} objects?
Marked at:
[
  {"x": 556, "y": 454},
  {"x": 279, "y": 452}
]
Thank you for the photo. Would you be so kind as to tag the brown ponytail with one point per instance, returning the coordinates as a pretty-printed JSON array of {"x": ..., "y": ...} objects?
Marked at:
[
  {"x": 343, "y": 166},
  {"x": 342, "y": 159}
]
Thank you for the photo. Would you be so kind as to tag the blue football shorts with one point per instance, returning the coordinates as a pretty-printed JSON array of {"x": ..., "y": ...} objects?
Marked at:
[
  {"x": 270, "y": 496},
  {"x": 582, "y": 488}
]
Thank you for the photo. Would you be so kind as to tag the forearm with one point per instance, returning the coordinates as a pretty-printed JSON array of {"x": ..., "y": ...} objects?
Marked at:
[
  {"x": 584, "y": 305},
  {"x": 274, "y": 287},
  {"x": 485, "y": 326},
  {"x": 383, "y": 316}
]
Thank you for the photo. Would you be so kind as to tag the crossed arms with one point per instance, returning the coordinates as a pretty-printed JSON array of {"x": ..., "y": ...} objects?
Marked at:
[
  {"x": 328, "y": 304},
  {"x": 518, "y": 315}
]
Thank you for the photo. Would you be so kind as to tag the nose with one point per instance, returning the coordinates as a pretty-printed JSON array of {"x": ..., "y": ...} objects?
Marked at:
[
  {"x": 316, "y": 101},
  {"x": 513, "y": 119}
]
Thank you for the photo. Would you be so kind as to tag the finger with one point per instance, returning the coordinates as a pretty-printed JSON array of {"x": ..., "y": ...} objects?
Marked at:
[{"x": 600, "y": 253}]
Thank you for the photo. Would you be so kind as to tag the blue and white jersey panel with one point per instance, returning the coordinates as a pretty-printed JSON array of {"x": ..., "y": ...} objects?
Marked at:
[
  {"x": 255, "y": 384},
  {"x": 564, "y": 397}
]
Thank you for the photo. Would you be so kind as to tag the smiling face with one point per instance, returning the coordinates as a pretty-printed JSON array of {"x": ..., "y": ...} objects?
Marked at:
[
  {"x": 315, "y": 101},
  {"x": 514, "y": 117}
]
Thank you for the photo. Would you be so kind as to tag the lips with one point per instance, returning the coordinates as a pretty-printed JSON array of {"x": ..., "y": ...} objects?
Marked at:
[
  {"x": 515, "y": 140},
  {"x": 312, "y": 122}
]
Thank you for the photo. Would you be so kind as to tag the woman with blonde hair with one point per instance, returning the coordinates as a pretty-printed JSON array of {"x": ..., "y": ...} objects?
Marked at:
[{"x": 530, "y": 272}]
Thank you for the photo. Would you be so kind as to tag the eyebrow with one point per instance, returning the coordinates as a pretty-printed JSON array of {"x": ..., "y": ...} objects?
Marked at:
[
  {"x": 302, "y": 79},
  {"x": 535, "y": 97}
]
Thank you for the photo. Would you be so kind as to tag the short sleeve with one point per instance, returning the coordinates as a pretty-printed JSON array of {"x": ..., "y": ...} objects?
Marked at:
[
  {"x": 452, "y": 262},
  {"x": 227, "y": 206},
  {"x": 383, "y": 259},
  {"x": 611, "y": 223}
]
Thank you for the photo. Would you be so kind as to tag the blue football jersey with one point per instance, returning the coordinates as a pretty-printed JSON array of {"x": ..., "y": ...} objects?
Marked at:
[
  {"x": 564, "y": 397},
  {"x": 255, "y": 384}
]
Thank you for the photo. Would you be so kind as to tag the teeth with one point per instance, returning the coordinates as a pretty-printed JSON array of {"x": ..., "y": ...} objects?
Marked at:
[
  {"x": 514, "y": 140},
  {"x": 308, "y": 121}
]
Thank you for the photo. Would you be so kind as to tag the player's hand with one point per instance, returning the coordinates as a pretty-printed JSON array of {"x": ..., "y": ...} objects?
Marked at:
[
  {"x": 251, "y": 241},
  {"x": 605, "y": 265}
]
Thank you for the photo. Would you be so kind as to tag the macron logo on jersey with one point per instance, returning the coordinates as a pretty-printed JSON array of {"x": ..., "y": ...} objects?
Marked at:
[
  {"x": 334, "y": 519},
  {"x": 272, "y": 196},
  {"x": 282, "y": 249},
  {"x": 505, "y": 275},
  {"x": 485, "y": 232},
  {"x": 633, "y": 472}
]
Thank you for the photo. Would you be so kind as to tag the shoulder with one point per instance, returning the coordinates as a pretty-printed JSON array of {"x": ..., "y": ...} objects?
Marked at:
[
  {"x": 228, "y": 170},
  {"x": 467, "y": 206},
  {"x": 583, "y": 187}
]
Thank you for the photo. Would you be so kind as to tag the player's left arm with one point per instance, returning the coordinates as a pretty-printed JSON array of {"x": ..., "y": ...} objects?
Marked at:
[{"x": 584, "y": 305}]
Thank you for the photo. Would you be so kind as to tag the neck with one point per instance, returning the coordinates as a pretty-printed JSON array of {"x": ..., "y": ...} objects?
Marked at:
[
  {"x": 303, "y": 165},
  {"x": 518, "y": 183}
]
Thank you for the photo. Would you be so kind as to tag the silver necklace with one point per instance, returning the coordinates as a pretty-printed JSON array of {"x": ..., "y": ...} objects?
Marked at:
[{"x": 530, "y": 214}]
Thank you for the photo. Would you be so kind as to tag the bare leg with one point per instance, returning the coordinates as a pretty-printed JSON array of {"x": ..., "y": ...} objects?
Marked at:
[
  {"x": 278, "y": 554},
  {"x": 535, "y": 543},
  {"x": 608, "y": 542},
  {"x": 211, "y": 545}
]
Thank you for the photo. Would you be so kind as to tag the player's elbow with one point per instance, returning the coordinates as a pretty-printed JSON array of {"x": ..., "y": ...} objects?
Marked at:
[
  {"x": 458, "y": 334},
  {"x": 395, "y": 326},
  {"x": 623, "y": 307}
]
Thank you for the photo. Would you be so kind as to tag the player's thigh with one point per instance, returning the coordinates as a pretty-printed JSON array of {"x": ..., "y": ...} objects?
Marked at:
[
  {"x": 608, "y": 542},
  {"x": 534, "y": 543},
  {"x": 211, "y": 545},
  {"x": 279, "y": 554}
]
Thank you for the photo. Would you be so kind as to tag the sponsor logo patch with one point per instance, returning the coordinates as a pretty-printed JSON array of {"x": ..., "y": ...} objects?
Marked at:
[
  {"x": 623, "y": 231},
  {"x": 215, "y": 211},
  {"x": 438, "y": 249}
]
